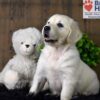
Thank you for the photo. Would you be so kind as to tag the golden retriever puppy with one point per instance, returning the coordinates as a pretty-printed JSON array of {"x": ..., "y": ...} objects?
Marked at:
[{"x": 60, "y": 65}]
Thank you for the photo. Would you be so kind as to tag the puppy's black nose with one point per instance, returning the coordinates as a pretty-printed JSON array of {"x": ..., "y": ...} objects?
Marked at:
[
  {"x": 46, "y": 31},
  {"x": 47, "y": 28},
  {"x": 27, "y": 46}
]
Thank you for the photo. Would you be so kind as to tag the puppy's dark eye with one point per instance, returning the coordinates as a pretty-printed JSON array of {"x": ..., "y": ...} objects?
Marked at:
[
  {"x": 60, "y": 25},
  {"x": 21, "y": 42}
]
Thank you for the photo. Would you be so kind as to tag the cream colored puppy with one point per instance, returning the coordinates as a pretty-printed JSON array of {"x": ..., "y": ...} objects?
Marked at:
[{"x": 60, "y": 65}]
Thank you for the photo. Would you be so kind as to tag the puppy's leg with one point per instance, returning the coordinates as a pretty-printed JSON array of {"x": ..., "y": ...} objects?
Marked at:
[
  {"x": 37, "y": 84},
  {"x": 10, "y": 79},
  {"x": 67, "y": 90},
  {"x": 93, "y": 87}
]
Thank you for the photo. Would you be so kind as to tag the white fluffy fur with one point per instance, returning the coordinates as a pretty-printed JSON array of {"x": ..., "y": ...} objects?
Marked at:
[
  {"x": 20, "y": 70},
  {"x": 60, "y": 65}
]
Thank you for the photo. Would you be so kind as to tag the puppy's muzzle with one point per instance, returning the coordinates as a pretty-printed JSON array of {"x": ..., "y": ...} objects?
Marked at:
[{"x": 46, "y": 31}]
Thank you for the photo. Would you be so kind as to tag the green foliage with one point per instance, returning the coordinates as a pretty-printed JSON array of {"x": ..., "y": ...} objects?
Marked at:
[
  {"x": 39, "y": 47},
  {"x": 89, "y": 52}
]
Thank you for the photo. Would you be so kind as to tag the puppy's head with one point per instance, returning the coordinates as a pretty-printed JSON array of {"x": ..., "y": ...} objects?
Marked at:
[{"x": 61, "y": 29}]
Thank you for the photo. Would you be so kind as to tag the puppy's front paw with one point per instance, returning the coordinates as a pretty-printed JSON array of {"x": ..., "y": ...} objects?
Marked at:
[{"x": 32, "y": 92}]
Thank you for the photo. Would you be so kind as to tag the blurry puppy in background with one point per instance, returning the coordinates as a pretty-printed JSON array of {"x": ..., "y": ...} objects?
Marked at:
[{"x": 60, "y": 65}]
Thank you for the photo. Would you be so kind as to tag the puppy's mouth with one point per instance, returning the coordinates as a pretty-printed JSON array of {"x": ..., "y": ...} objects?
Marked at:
[{"x": 50, "y": 40}]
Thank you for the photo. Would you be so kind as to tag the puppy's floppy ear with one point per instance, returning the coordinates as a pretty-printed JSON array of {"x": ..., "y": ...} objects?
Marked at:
[{"x": 75, "y": 33}]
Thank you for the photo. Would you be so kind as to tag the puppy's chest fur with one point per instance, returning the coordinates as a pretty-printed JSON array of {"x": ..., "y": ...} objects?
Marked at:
[
  {"x": 54, "y": 72},
  {"x": 58, "y": 65},
  {"x": 52, "y": 57}
]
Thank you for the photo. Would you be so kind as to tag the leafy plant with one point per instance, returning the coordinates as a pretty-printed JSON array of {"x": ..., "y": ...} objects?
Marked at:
[
  {"x": 89, "y": 52},
  {"x": 40, "y": 47}
]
